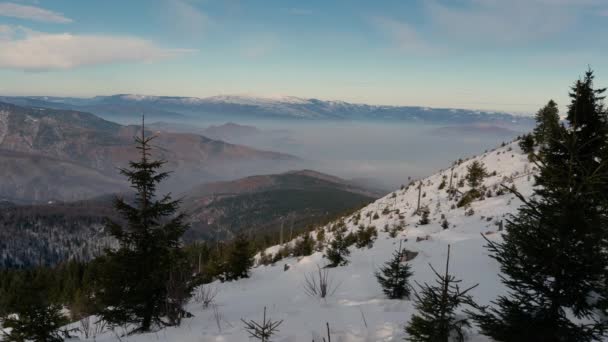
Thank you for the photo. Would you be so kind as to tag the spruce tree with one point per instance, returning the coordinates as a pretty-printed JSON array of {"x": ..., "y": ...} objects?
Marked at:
[
  {"x": 337, "y": 252},
  {"x": 435, "y": 319},
  {"x": 554, "y": 255},
  {"x": 476, "y": 172},
  {"x": 527, "y": 144},
  {"x": 32, "y": 317},
  {"x": 240, "y": 260},
  {"x": 394, "y": 276},
  {"x": 135, "y": 277},
  {"x": 547, "y": 124}
]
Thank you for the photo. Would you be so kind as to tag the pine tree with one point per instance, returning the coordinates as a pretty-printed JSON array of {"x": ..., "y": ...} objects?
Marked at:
[
  {"x": 476, "y": 172},
  {"x": 435, "y": 319},
  {"x": 37, "y": 322},
  {"x": 547, "y": 124},
  {"x": 394, "y": 276},
  {"x": 554, "y": 256},
  {"x": 31, "y": 315},
  {"x": 527, "y": 144},
  {"x": 134, "y": 280},
  {"x": 240, "y": 259},
  {"x": 337, "y": 252}
]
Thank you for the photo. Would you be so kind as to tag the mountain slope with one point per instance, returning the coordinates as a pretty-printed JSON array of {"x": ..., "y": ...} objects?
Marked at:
[
  {"x": 358, "y": 311},
  {"x": 85, "y": 141},
  {"x": 53, "y": 232},
  {"x": 264, "y": 203}
]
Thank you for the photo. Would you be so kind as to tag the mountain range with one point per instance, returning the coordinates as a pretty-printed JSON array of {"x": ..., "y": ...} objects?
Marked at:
[
  {"x": 61, "y": 154},
  {"x": 128, "y": 107},
  {"x": 53, "y": 232}
]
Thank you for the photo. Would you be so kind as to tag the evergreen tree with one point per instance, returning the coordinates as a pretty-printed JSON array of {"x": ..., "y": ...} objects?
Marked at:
[
  {"x": 527, "y": 144},
  {"x": 240, "y": 259},
  {"x": 588, "y": 119},
  {"x": 32, "y": 316},
  {"x": 435, "y": 319},
  {"x": 476, "y": 172},
  {"x": 554, "y": 256},
  {"x": 135, "y": 277},
  {"x": 424, "y": 219},
  {"x": 337, "y": 252},
  {"x": 547, "y": 124},
  {"x": 394, "y": 276},
  {"x": 304, "y": 246}
]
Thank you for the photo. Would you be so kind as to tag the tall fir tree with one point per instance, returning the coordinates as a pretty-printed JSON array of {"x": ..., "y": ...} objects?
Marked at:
[
  {"x": 134, "y": 283},
  {"x": 435, "y": 319},
  {"x": 554, "y": 256},
  {"x": 394, "y": 276},
  {"x": 547, "y": 124}
]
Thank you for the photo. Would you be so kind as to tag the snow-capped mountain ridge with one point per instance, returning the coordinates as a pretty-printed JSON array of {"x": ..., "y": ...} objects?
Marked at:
[
  {"x": 358, "y": 311},
  {"x": 274, "y": 107}
]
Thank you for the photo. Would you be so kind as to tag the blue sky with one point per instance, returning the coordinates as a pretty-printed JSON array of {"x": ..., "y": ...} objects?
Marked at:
[{"x": 490, "y": 54}]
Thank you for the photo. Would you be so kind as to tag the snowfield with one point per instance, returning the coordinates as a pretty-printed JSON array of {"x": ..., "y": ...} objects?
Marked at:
[{"x": 358, "y": 310}]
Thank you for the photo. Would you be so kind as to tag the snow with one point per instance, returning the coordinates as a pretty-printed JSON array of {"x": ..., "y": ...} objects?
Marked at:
[{"x": 358, "y": 311}]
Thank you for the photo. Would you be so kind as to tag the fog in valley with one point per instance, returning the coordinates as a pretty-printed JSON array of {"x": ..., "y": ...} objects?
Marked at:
[{"x": 381, "y": 155}]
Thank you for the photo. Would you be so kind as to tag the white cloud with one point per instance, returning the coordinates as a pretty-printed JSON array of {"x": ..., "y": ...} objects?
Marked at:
[
  {"x": 8, "y": 9},
  {"x": 36, "y": 51}
]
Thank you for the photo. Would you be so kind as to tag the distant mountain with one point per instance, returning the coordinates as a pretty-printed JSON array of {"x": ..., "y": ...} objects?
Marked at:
[
  {"x": 53, "y": 232},
  {"x": 227, "y": 132},
  {"x": 128, "y": 106},
  {"x": 51, "y": 154},
  {"x": 263, "y": 203}
]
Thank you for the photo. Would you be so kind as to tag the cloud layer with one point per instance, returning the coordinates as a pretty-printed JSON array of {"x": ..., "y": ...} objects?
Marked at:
[
  {"x": 8, "y": 9},
  {"x": 35, "y": 51}
]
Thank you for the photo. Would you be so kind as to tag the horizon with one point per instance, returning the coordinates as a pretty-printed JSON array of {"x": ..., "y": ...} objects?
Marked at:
[{"x": 470, "y": 54}]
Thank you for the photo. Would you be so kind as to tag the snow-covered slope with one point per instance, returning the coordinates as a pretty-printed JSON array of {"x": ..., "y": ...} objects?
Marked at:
[{"x": 358, "y": 311}]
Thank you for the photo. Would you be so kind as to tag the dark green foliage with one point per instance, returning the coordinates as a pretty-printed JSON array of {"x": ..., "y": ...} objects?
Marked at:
[
  {"x": 365, "y": 237},
  {"x": 547, "y": 124},
  {"x": 263, "y": 330},
  {"x": 476, "y": 172},
  {"x": 133, "y": 287},
  {"x": 554, "y": 256},
  {"x": 394, "y": 276},
  {"x": 337, "y": 252},
  {"x": 35, "y": 322},
  {"x": 30, "y": 314},
  {"x": 240, "y": 259},
  {"x": 304, "y": 246},
  {"x": 442, "y": 184},
  {"x": 526, "y": 143},
  {"x": 468, "y": 198},
  {"x": 435, "y": 319},
  {"x": 445, "y": 224}
]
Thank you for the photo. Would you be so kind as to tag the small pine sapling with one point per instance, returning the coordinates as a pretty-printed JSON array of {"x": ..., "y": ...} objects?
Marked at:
[
  {"x": 264, "y": 330},
  {"x": 435, "y": 319},
  {"x": 394, "y": 276}
]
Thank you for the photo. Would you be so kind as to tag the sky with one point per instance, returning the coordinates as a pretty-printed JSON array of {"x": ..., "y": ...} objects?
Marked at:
[{"x": 507, "y": 55}]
